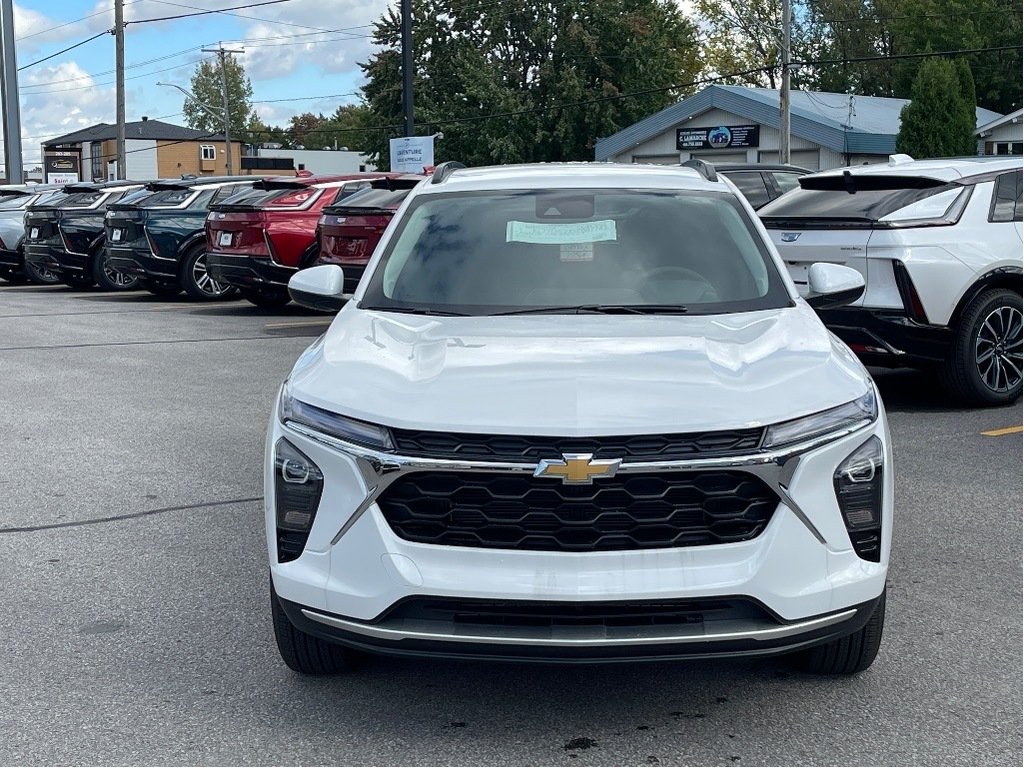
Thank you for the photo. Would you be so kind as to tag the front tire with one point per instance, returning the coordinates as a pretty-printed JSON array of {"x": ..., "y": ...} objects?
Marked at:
[
  {"x": 847, "y": 655},
  {"x": 985, "y": 363},
  {"x": 110, "y": 280},
  {"x": 196, "y": 280},
  {"x": 302, "y": 652}
]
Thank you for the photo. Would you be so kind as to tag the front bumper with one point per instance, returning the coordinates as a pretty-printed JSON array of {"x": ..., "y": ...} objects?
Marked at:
[
  {"x": 247, "y": 272},
  {"x": 595, "y": 642},
  {"x": 141, "y": 263},
  {"x": 801, "y": 569},
  {"x": 887, "y": 337}
]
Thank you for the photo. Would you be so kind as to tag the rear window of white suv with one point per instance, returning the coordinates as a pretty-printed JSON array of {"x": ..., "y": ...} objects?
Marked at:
[{"x": 493, "y": 252}]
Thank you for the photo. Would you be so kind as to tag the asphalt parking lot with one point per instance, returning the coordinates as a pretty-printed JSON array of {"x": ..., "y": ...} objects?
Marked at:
[{"x": 136, "y": 623}]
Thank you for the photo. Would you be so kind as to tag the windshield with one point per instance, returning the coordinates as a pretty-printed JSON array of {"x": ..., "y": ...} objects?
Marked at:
[{"x": 575, "y": 250}]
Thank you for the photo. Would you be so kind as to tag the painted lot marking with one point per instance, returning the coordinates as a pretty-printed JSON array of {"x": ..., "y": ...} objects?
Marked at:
[
  {"x": 300, "y": 324},
  {"x": 1003, "y": 431}
]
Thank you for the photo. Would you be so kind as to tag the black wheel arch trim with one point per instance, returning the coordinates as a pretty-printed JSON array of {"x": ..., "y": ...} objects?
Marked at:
[
  {"x": 1001, "y": 277},
  {"x": 188, "y": 243}
]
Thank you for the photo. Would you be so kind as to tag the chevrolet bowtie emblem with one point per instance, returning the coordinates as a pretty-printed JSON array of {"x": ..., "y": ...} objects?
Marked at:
[{"x": 577, "y": 468}]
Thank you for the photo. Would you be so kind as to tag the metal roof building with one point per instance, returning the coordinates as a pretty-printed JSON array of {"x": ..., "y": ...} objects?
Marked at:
[{"x": 736, "y": 124}]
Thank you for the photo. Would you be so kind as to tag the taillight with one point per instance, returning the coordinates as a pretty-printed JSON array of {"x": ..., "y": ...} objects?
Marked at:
[
  {"x": 908, "y": 293},
  {"x": 153, "y": 247}
]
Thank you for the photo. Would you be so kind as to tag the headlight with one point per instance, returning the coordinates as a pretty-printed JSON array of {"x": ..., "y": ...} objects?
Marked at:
[
  {"x": 858, "y": 412},
  {"x": 333, "y": 424}
]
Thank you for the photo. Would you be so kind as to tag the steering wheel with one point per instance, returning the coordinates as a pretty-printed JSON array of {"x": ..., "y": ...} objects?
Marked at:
[{"x": 657, "y": 275}]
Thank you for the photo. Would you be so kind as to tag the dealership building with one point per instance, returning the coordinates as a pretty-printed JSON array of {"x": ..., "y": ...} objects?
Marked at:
[{"x": 737, "y": 124}]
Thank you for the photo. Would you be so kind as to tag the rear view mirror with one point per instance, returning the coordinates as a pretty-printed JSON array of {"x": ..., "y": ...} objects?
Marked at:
[
  {"x": 833, "y": 285},
  {"x": 319, "y": 288}
]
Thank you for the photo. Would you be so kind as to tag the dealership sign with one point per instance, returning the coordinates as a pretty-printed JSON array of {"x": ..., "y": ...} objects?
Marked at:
[
  {"x": 61, "y": 169},
  {"x": 412, "y": 154},
  {"x": 720, "y": 137}
]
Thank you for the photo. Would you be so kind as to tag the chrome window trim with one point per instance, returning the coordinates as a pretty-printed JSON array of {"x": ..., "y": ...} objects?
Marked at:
[
  {"x": 739, "y": 630},
  {"x": 380, "y": 469}
]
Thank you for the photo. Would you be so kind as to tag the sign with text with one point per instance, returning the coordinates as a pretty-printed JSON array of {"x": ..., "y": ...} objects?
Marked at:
[
  {"x": 412, "y": 154},
  {"x": 720, "y": 137},
  {"x": 61, "y": 169}
]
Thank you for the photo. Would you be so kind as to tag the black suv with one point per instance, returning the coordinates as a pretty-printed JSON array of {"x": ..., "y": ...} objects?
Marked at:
[
  {"x": 64, "y": 234},
  {"x": 761, "y": 184},
  {"x": 160, "y": 240}
]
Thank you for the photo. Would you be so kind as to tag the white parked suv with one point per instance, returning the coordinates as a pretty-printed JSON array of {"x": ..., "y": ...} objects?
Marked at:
[
  {"x": 577, "y": 412},
  {"x": 939, "y": 244}
]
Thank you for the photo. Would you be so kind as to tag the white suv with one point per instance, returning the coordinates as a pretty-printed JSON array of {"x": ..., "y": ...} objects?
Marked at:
[
  {"x": 939, "y": 244},
  {"x": 577, "y": 412}
]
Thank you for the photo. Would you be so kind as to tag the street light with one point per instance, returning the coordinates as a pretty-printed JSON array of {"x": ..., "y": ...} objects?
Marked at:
[{"x": 221, "y": 115}]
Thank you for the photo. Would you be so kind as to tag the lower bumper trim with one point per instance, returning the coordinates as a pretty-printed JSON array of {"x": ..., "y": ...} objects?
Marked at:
[{"x": 580, "y": 644}]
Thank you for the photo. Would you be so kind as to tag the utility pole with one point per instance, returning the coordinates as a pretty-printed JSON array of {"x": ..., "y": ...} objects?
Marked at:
[
  {"x": 122, "y": 171},
  {"x": 787, "y": 22},
  {"x": 407, "y": 66},
  {"x": 223, "y": 53},
  {"x": 9, "y": 95}
]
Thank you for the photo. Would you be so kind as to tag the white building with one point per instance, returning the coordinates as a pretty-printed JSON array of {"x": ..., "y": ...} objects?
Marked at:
[
  {"x": 736, "y": 124},
  {"x": 317, "y": 161},
  {"x": 1002, "y": 136}
]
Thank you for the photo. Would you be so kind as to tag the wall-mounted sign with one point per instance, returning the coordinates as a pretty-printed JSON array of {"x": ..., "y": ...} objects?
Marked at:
[
  {"x": 412, "y": 154},
  {"x": 61, "y": 169},
  {"x": 720, "y": 137}
]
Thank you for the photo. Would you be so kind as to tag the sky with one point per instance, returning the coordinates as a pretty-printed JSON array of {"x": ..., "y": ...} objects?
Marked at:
[{"x": 301, "y": 56}]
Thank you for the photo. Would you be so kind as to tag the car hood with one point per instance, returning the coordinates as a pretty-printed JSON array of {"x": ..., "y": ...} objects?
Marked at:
[{"x": 577, "y": 374}]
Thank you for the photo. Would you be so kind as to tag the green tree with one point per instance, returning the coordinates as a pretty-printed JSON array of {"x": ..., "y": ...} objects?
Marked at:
[
  {"x": 206, "y": 86},
  {"x": 850, "y": 29},
  {"x": 739, "y": 37},
  {"x": 935, "y": 122},
  {"x": 493, "y": 76}
]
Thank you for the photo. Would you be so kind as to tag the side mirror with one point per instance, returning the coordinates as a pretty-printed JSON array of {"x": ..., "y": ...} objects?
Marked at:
[
  {"x": 833, "y": 285},
  {"x": 319, "y": 288}
]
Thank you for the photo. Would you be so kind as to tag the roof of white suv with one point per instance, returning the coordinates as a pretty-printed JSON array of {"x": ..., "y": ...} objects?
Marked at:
[
  {"x": 946, "y": 169},
  {"x": 573, "y": 175}
]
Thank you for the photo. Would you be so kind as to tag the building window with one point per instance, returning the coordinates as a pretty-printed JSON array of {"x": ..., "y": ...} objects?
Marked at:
[
  {"x": 207, "y": 152},
  {"x": 99, "y": 167}
]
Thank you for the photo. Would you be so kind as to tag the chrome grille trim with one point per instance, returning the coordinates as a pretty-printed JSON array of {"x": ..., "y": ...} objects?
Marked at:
[{"x": 380, "y": 469}]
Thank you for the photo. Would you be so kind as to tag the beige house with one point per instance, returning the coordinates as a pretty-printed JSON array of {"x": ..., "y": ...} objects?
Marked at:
[{"x": 153, "y": 150}]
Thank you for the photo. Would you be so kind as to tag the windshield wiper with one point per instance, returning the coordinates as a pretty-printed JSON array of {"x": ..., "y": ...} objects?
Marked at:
[
  {"x": 418, "y": 311},
  {"x": 603, "y": 309}
]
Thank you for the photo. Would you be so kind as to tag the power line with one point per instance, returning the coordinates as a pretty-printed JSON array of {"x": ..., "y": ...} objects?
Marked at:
[
  {"x": 227, "y": 12},
  {"x": 89, "y": 75},
  {"x": 65, "y": 50},
  {"x": 884, "y": 19},
  {"x": 133, "y": 77},
  {"x": 901, "y": 56},
  {"x": 207, "y": 13},
  {"x": 69, "y": 23}
]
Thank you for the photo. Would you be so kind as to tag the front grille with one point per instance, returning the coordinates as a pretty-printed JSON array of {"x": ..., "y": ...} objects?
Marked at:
[
  {"x": 469, "y": 612},
  {"x": 519, "y": 448},
  {"x": 629, "y": 511}
]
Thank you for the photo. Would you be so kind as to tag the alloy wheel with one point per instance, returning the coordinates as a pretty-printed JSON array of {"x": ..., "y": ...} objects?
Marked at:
[
  {"x": 999, "y": 349},
  {"x": 120, "y": 279},
  {"x": 205, "y": 283}
]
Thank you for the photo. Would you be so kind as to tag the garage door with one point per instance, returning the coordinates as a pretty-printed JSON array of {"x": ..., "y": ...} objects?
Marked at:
[{"x": 805, "y": 158}]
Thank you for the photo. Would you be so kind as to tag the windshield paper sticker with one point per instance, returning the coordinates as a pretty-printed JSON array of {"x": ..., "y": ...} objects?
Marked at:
[{"x": 557, "y": 234}]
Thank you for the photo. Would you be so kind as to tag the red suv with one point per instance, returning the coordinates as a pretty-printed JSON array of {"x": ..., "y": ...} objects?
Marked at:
[
  {"x": 350, "y": 230},
  {"x": 257, "y": 239}
]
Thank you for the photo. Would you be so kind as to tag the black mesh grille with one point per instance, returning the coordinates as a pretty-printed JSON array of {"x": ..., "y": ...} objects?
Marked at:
[
  {"x": 444, "y": 445},
  {"x": 630, "y": 511}
]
